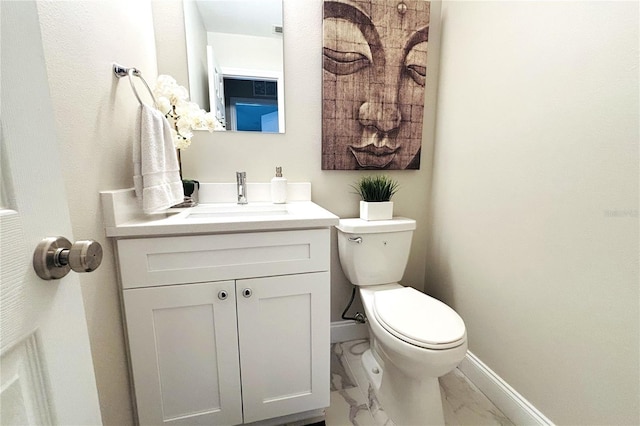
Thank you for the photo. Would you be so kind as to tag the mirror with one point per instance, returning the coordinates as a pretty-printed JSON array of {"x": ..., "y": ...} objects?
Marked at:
[{"x": 235, "y": 61}]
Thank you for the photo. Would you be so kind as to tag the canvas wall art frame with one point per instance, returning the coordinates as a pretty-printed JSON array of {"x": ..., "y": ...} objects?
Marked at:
[{"x": 374, "y": 76}]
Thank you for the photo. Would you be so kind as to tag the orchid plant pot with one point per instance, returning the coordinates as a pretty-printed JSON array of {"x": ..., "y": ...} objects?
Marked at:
[{"x": 190, "y": 186}]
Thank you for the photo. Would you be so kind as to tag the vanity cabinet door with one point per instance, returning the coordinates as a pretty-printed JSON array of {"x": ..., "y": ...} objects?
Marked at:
[
  {"x": 283, "y": 328},
  {"x": 183, "y": 345}
]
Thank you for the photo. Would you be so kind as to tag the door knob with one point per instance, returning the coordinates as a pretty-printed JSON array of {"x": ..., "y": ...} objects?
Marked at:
[{"x": 54, "y": 257}]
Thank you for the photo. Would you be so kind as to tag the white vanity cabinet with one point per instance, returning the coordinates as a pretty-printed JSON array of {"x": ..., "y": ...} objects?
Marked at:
[
  {"x": 182, "y": 342},
  {"x": 227, "y": 328}
]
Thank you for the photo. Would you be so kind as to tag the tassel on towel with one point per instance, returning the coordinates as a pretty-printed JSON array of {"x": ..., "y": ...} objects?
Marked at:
[{"x": 156, "y": 174}]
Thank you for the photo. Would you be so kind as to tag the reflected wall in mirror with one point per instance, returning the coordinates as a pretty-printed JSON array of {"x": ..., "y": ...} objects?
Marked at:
[{"x": 235, "y": 61}]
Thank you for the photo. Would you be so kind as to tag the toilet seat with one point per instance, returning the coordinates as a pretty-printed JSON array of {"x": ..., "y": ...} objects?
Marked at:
[{"x": 418, "y": 319}]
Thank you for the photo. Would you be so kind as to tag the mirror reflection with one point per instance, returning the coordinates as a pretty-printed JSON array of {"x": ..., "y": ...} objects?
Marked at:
[{"x": 235, "y": 61}]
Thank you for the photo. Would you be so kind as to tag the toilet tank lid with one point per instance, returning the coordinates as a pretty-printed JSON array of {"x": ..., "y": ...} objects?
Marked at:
[{"x": 360, "y": 226}]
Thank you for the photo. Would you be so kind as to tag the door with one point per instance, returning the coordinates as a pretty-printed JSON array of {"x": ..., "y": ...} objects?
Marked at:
[
  {"x": 270, "y": 122},
  {"x": 216, "y": 86},
  {"x": 183, "y": 342},
  {"x": 45, "y": 360},
  {"x": 283, "y": 329}
]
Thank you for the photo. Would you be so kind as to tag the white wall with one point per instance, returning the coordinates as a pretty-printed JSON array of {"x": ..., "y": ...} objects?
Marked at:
[
  {"x": 535, "y": 199},
  {"x": 536, "y": 181},
  {"x": 262, "y": 53},
  {"x": 168, "y": 20},
  {"x": 215, "y": 157},
  {"x": 196, "y": 45},
  {"x": 95, "y": 116}
]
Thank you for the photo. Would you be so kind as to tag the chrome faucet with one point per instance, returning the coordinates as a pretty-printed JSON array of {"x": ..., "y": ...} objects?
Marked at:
[{"x": 241, "y": 179}]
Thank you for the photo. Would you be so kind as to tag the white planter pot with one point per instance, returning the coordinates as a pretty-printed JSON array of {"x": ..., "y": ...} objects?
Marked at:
[{"x": 376, "y": 211}]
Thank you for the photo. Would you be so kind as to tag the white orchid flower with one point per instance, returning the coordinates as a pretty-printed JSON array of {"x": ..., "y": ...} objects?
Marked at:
[
  {"x": 185, "y": 108},
  {"x": 179, "y": 141},
  {"x": 185, "y": 116},
  {"x": 211, "y": 122},
  {"x": 185, "y": 127},
  {"x": 163, "y": 105}
]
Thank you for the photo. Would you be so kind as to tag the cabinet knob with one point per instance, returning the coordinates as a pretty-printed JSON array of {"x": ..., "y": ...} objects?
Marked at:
[
  {"x": 54, "y": 257},
  {"x": 247, "y": 292},
  {"x": 222, "y": 294}
]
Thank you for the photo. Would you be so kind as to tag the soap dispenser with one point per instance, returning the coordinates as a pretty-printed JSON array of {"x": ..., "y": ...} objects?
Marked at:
[{"x": 279, "y": 187}]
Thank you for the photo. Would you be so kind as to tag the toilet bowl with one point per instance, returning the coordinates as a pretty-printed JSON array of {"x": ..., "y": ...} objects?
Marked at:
[{"x": 414, "y": 338}]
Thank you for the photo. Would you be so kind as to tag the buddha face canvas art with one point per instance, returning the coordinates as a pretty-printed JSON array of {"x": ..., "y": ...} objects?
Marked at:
[{"x": 374, "y": 76}]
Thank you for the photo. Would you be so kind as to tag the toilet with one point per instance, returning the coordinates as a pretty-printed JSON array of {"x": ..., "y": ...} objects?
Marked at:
[{"x": 414, "y": 338}]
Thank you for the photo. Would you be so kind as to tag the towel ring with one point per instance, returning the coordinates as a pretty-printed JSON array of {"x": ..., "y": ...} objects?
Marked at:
[{"x": 121, "y": 71}]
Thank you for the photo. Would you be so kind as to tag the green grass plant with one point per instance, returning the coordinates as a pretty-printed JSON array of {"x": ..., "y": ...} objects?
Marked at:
[{"x": 376, "y": 188}]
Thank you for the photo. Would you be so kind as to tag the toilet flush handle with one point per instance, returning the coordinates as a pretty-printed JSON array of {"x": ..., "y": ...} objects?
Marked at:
[{"x": 357, "y": 240}]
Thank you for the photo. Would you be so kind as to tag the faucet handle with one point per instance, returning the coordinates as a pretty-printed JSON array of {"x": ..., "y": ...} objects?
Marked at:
[{"x": 241, "y": 176}]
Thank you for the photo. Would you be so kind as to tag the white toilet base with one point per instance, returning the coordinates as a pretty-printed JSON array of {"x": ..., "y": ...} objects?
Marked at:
[{"x": 405, "y": 400}]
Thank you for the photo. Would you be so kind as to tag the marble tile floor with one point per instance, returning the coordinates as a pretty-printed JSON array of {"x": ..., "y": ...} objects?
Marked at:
[{"x": 354, "y": 403}]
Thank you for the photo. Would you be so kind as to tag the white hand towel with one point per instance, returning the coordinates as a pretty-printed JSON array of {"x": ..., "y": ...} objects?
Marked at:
[{"x": 156, "y": 174}]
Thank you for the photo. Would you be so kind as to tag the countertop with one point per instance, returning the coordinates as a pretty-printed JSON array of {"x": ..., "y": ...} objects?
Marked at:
[{"x": 123, "y": 218}]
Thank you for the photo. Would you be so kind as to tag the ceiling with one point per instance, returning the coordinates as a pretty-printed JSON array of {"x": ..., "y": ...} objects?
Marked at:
[{"x": 249, "y": 17}]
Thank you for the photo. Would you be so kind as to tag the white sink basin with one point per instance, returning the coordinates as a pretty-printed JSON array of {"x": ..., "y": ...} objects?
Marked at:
[{"x": 236, "y": 210}]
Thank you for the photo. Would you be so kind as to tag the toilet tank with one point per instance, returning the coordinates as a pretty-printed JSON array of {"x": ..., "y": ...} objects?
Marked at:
[{"x": 374, "y": 252}]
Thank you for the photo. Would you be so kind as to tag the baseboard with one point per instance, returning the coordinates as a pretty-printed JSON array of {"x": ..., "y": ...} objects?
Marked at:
[
  {"x": 511, "y": 403},
  {"x": 342, "y": 331}
]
